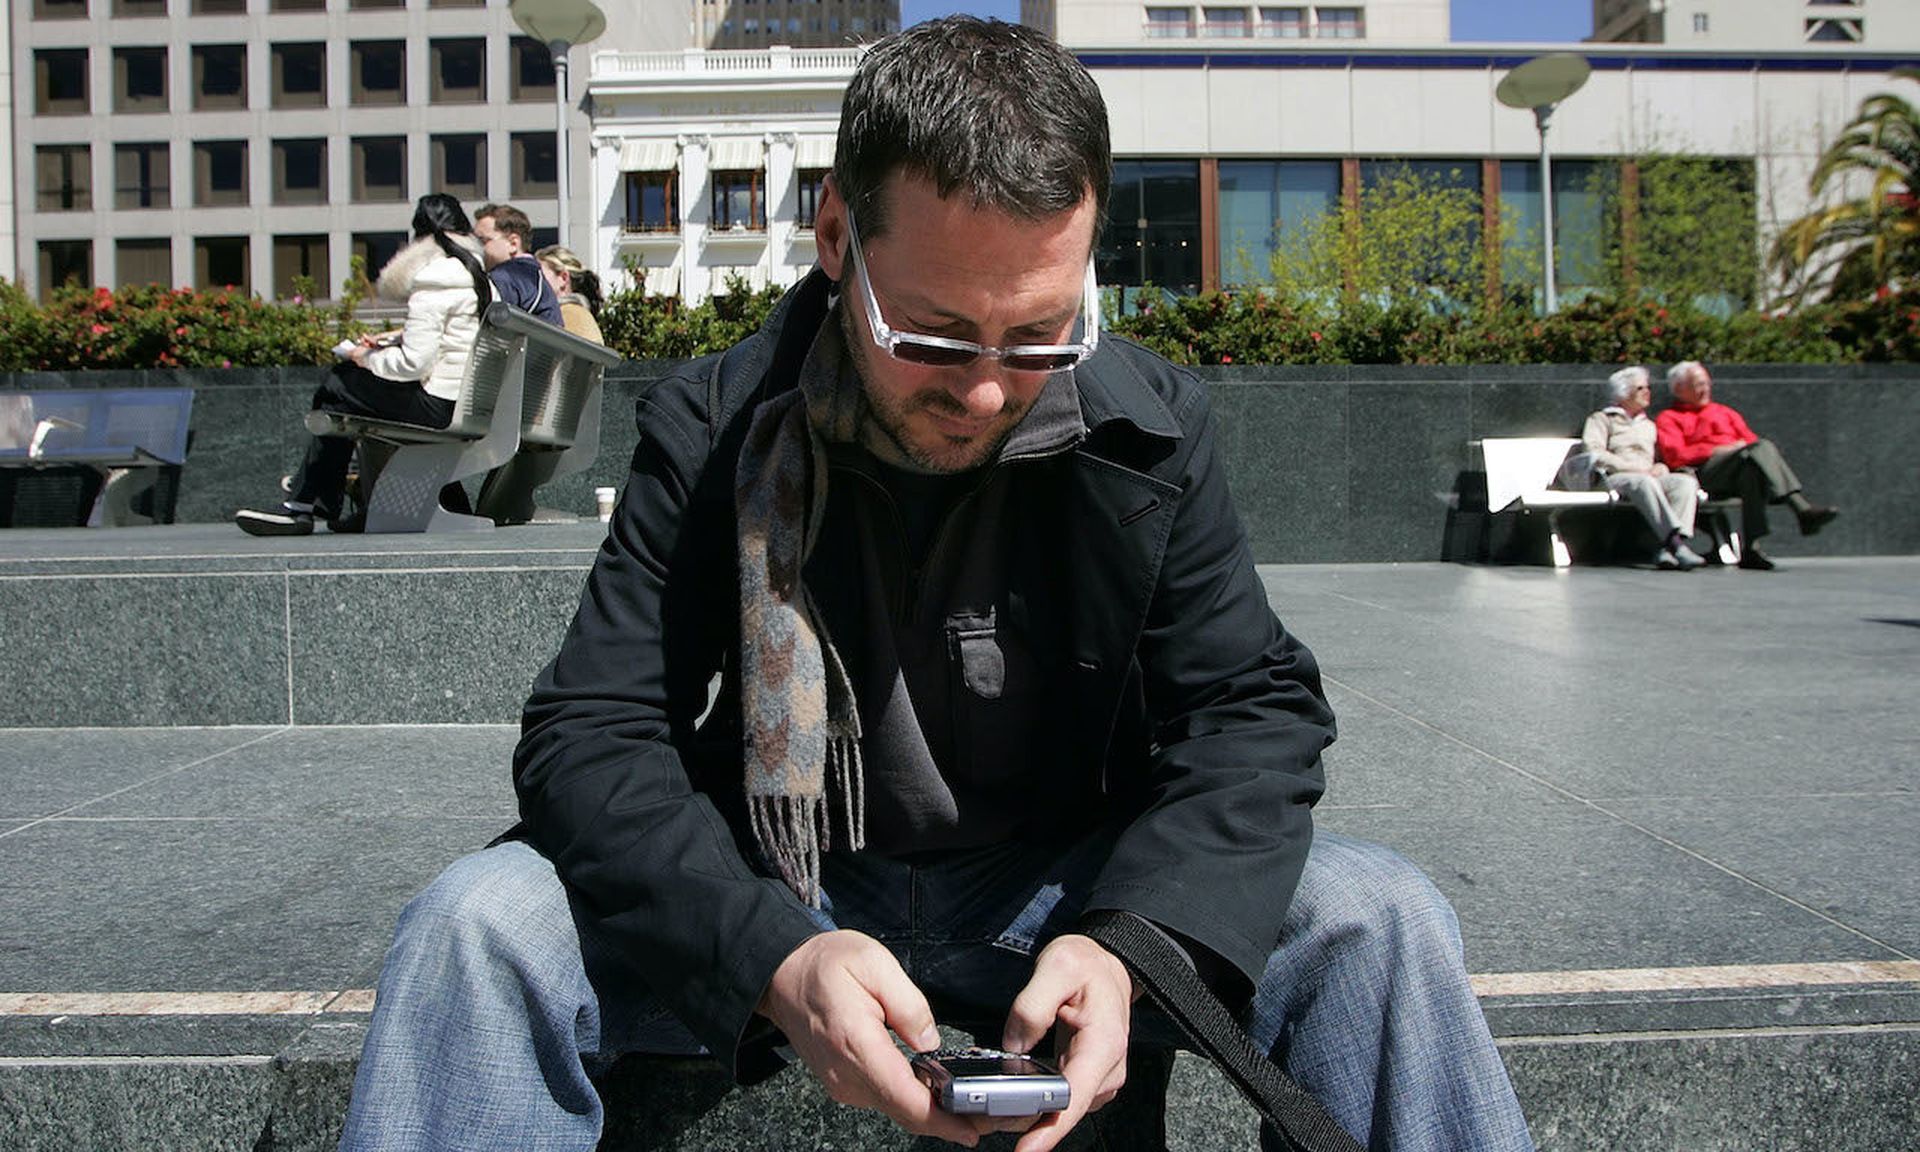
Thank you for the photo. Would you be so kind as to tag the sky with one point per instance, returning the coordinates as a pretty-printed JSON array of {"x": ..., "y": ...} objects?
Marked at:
[{"x": 1475, "y": 20}]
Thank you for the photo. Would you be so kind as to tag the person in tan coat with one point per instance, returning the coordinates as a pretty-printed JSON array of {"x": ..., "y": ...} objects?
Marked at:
[{"x": 1618, "y": 441}]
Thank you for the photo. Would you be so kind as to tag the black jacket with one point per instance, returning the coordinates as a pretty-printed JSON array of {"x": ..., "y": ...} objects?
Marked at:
[{"x": 1196, "y": 716}]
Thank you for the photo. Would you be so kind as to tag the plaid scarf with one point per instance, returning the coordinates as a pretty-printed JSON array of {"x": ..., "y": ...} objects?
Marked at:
[{"x": 801, "y": 724}]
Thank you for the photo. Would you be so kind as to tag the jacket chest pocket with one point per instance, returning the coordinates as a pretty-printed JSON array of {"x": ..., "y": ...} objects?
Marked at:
[{"x": 994, "y": 690}]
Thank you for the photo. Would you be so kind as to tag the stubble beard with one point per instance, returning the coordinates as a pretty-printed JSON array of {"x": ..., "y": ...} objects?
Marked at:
[{"x": 893, "y": 416}]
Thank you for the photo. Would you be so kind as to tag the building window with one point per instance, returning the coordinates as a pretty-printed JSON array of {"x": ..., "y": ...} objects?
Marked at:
[
  {"x": 64, "y": 263},
  {"x": 1224, "y": 23},
  {"x": 1169, "y": 23},
  {"x": 460, "y": 166},
  {"x": 59, "y": 9},
  {"x": 1339, "y": 23},
  {"x": 1828, "y": 30},
  {"x": 380, "y": 168},
  {"x": 1700, "y": 23},
  {"x": 810, "y": 182},
  {"x": 300, "y": 171},
  {"x": 222, "y": 261},
  {"x": 219, "y": 76},
  {"x": 220, "y": 172},
  {"x": 531, "y": 72},
  {"x": 300, "y": 75},
  {"x": 64, "y": 177},
  {"x": 1267, "y": 205},
  {"x": 366, "y": 5},
  {"x": 137, "y": 263},
  {"x": 651, "y": 203},
  {"x": 738, "y": 201},
  {"x": 380, "y": 72},
  {"x": 1153, "y": 228},
  {"x": 300, "y": 266},
  {"x": 139, "y": 79},
  {"x": 1283, "y": 23},
  {"x": 1583, "y": 228},
  {"x": 219, "y": 7},
  {"x": 456, "y": 3},
  {"x": 135, "y": 9},
  {"x": 372, "y": 250},
  {"x": 140, "y": 176},
  {"x": 459, "y": 71},
  {"x": 534, "y": 168},
  {"x": 296, "y": 5},
  {"x": 60, "y": 82}
]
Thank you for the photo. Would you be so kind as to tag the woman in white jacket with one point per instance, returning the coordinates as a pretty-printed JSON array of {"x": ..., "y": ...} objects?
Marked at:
[{"x": 412, "y": 375}]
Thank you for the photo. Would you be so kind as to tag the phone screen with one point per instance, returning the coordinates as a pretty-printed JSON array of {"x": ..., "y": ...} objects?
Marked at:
[{"x": 1003, "y": 1065}]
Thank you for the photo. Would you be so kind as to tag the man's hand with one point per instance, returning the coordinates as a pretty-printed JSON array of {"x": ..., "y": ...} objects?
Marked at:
[
  {"x": 836, "y": 996},
  {"x": 1659, "y": 469},
  {"x": 1082, "y": 991}
]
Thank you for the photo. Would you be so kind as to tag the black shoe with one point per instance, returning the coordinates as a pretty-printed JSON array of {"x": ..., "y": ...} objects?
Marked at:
[
  {"x": 356, "y": 522},
  {"x": 1754, "y": 559},
  {"x": 255, "y": 522},
  {"x": 1815, "y": 517}
]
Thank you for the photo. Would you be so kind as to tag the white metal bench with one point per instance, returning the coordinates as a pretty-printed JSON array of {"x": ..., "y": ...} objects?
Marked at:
[
  {"x": 1525, "y": 476},
  {"x": 559, "y": 425},
  {"x": 403, "y": 467}
]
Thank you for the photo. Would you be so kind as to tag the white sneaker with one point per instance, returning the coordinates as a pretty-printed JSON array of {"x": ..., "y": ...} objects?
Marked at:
[{"x": 284, "y": 522}]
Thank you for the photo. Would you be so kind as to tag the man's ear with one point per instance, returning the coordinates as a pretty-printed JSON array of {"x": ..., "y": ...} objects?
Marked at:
[{"x": 830, "y": 231}]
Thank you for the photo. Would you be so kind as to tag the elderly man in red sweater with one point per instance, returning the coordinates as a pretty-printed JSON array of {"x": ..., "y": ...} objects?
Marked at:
[{"x": 1730, "y": 460}]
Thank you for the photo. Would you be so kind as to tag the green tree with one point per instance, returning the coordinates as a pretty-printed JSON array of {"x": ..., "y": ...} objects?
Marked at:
[
  {"x": 1857, "y": 246},
  {"x": 1409, "y": 244},
  {"x": 1689, "y": 236}
]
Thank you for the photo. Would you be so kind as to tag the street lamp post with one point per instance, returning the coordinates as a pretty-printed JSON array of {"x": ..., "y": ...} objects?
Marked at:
[
  {"x": 560, "y": 24},
  {"x": 1540, "y": 84}
]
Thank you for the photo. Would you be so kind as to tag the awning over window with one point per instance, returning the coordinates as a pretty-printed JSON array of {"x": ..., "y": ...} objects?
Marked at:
[
  {"x": 813, "y": 152},
  {"x": 733, "y": 153},
  {"x": 649, "y": 156}
]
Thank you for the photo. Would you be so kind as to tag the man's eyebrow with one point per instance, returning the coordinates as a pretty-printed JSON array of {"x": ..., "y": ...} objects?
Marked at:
[{"x": 929, "y": 312}]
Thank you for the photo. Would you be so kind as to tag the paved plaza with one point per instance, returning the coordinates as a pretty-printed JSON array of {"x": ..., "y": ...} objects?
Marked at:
[{"x": 1664, "y": 805}]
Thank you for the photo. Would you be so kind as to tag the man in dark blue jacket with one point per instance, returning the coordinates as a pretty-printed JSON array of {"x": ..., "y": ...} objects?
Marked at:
[
  {"x": 993, "y": 657},
  {"x": 506, "y": 239}
]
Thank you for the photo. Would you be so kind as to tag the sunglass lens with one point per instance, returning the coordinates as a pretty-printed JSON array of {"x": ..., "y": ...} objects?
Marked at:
[
  {"x": 933, "y": 355},
  {"x": 1041, "y": 361}
]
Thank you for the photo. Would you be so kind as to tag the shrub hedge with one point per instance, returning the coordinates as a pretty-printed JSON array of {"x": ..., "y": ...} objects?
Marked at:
[{"x": 157, "y": 327}]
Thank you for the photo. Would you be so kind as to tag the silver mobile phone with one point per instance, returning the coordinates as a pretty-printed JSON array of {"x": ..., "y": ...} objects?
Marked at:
[{"x": 988, "y": 1082}]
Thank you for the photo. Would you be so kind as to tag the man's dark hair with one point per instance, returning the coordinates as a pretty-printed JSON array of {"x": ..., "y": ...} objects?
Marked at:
[
  {"x": 506, "y": 218},
  {"x": 996, "y": 111}
]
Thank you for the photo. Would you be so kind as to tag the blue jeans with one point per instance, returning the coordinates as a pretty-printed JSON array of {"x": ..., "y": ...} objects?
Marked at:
[{"x": 487, "y": 1021}]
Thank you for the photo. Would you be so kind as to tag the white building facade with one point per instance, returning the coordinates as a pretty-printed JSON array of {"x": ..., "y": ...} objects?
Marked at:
[
  {"x": 1109, "y": 23},
  {"x": 1219, "y": 148}
]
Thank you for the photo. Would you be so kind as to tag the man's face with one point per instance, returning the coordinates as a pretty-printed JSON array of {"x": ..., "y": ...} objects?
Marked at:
[
  {"x": 1697, "y": 388},
  {"x": 496, "y": 246},
  {"x": 946, "y": 268}
]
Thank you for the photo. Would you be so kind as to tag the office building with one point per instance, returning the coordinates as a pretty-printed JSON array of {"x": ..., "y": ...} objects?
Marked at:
[
  {"x": 1761, "y": 25},
  {"x": 263, "y": 143}
]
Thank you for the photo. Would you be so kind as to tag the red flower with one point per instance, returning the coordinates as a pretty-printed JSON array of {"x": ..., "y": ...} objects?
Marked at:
[
  {"x": 101, "y": 329},
  {"x": 1226, "y": 359},
  {"x": 1316, "y": 337}
]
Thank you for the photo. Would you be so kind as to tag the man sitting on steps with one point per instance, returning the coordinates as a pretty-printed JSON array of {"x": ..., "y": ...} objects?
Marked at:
[{"x": 1714, "y": 441}]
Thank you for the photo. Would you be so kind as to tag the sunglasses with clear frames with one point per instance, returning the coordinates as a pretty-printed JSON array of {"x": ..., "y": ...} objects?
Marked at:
[{"x": 944, "y": 352}]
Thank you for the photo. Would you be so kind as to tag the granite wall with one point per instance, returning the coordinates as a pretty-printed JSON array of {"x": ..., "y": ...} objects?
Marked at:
[{"x": 1347, "y": 463}]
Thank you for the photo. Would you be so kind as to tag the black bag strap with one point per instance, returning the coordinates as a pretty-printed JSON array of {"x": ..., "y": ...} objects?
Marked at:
[{"x": 1171, "y": 983}]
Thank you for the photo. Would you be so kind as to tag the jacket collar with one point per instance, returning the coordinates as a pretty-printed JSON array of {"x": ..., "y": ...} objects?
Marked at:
[{"x": 1112, "y": 389}]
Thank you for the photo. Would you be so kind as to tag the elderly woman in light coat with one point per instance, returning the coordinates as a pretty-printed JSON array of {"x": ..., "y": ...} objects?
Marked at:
[{"x": 1619, "y": 443}]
